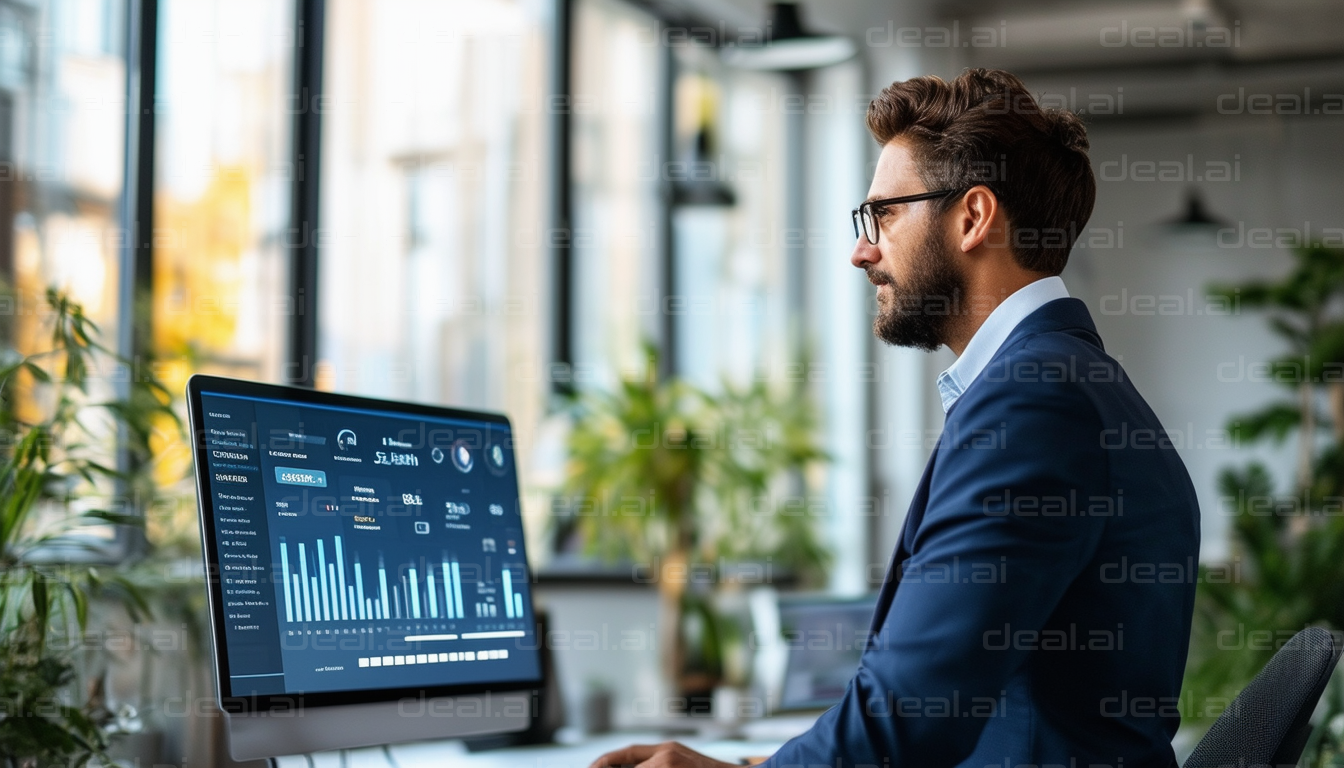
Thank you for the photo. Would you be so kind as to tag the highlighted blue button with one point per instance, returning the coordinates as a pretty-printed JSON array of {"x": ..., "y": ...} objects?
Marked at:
[{"x": 315, "y": 478}]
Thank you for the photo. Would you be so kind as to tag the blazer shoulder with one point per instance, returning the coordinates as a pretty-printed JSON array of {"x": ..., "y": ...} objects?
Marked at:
[{"x": 1045, "y": 375}]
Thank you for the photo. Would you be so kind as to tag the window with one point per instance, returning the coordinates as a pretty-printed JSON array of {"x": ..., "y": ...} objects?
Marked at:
[
  {"x": 618, "y": 231},
  {"x": 62, "y": 91},
  {"x": 697, "y": 170},
  {"x": 223, "y": 171},
  {"x": 731, "y": 274},
  {"x": 435, "y": 269},
  {"x": 221, "y": 208},
  {"x": 62, "y": 96},
  {"x": 432, "y": 269}
]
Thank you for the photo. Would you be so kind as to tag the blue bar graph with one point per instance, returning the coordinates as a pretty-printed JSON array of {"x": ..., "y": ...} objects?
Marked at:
[
  {"x": 457, "y": 590},
  {"x": 331, "y": 590},
  {"x": 284, "y": 574},
  {"x": 303, "y": 578},
  {"x": 382, "y": 589},
  {"x": 448, "y": 593},
  {"x": 429, "y": 589},
  {"x": 364, "y": 605},
  {"x": 340, "y": 558},
  {"x": 322, "y": 575}
]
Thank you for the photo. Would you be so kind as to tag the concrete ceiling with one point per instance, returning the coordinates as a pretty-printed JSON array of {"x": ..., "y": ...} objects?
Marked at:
[{"x": 1170, "y": 57}]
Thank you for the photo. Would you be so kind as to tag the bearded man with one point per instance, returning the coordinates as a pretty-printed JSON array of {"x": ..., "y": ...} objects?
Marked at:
[{"x": 1037, "y": 608}]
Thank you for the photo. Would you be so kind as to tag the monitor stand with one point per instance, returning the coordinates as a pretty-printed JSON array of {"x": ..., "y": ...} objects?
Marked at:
[
  {"x": 300, "y": 731},
  {"x": 548, "y": 706}
]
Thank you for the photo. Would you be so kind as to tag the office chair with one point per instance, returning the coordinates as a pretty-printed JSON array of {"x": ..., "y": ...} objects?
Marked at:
[{"x": 1267, "y": 723}]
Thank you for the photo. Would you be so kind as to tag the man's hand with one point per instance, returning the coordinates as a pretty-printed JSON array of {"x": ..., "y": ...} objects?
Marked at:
[{"x": 669, "y": 754}]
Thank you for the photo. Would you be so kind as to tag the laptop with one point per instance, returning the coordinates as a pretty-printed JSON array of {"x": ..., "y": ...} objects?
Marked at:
[
  {"x": 807, "y": 650},
  {"x": 824, "y": 637}
]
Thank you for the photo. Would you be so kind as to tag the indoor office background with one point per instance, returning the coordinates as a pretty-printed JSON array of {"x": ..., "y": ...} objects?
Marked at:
[{"x": 502, "y": 204}]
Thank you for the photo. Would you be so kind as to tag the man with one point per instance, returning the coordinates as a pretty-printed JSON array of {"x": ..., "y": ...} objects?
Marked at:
[{"x": 1037, "y": 609}]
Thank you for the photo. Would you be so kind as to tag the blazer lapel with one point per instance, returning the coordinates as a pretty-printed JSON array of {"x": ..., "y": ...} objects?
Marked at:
[
  {"x": 913, "y": 516},
  {"x": 1069, "y": 315}
]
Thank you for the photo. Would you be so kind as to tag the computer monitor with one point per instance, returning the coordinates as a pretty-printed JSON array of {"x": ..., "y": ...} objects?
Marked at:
[
  {"x": 365, "y": 565},
  {"x": 825, "y": 636}
]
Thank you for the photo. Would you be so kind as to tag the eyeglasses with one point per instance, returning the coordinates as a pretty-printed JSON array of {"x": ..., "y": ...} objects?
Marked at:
[{"x": 866, "y": 215}]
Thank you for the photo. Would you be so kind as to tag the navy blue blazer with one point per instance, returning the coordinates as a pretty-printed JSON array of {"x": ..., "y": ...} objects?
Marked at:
[{"x": 1037, "y": 608}]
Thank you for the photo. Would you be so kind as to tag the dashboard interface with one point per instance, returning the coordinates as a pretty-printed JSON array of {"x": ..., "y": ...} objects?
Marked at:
[{"x": 362, "y": 548}]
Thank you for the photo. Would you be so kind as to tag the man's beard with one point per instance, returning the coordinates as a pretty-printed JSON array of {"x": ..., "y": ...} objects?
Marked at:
[{"x": 918, "y": 314}]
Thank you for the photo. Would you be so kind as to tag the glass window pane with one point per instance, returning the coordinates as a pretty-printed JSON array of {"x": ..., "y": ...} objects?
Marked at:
[
  {"x": 221, "y": 207},
  {"x": 729, "y": 225},
  {"x": 433, "y": 203},
  {"x": 617, "y": 213},
  {"x": 62, "y": 128},
  {"x": 62, "y": 123}
]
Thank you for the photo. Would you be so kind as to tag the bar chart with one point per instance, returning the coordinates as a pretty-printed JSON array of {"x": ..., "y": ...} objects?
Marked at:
[{"x": 321, "y": 589}]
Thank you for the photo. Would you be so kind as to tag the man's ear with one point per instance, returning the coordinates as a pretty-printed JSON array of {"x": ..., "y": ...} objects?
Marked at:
[{"x": 974, "y": 219}]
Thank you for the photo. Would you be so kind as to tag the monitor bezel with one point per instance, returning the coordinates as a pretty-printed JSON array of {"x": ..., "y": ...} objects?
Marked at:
[{"x": 199, "y": 384}]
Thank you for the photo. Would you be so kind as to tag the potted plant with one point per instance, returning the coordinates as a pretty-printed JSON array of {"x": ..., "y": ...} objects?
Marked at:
[
  {"x": 56, "y": 429},
  {"x": 688, "y": 485},
  {"x": 1287, "y": 570}
]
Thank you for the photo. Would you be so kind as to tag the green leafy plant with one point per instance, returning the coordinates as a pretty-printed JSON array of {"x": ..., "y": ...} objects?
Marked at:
[
  {"x": 689, "y": 483},
  {"x": 1287, "y": 570},
  {"x": 57, "y": 427}
]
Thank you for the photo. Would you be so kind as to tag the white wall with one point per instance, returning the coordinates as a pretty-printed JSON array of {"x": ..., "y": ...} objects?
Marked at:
[
  {"x": 1287, "y": 173},
  {"x": 1190, "y": 364}
]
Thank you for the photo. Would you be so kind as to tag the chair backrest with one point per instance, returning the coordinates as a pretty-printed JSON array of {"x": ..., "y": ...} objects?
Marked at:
[{"x": 1267, "y": 723}]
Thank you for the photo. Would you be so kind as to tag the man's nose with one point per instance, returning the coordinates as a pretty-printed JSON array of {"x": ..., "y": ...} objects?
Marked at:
[{"x": 865, "y": 253}]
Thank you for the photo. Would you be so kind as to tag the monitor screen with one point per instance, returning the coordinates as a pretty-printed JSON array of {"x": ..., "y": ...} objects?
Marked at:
[{"x": 360, "y": 549}]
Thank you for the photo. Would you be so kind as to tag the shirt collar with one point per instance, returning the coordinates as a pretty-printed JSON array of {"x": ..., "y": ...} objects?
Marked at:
[{"x": 991, "y": 335}]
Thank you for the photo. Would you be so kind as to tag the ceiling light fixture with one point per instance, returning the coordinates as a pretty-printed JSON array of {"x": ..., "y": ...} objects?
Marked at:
[
  {"x": 1195, "y": 215},
  {"x": 788, "y": 47}
]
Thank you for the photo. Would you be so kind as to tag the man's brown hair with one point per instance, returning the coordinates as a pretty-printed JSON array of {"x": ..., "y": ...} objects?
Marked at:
[{"x": 984, "y": 127}]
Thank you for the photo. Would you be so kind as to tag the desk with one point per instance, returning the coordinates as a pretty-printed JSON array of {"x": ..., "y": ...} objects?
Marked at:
[{"x": 444, "y": 754}]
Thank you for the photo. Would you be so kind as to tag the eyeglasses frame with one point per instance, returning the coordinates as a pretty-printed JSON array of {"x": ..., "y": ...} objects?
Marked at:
[{"x": 882, "y": 203}]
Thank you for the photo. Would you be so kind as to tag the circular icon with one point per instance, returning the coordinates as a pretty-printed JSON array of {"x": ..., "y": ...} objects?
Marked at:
[
  {"x": 436, "y": 453},
  {"x": 462, "y": 456},
  {"x": 345, "y": 439},
  {"x": 496, "y": 457}
]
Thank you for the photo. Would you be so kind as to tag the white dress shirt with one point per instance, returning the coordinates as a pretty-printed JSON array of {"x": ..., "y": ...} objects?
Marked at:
[{"x": 990, "y": 336}]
